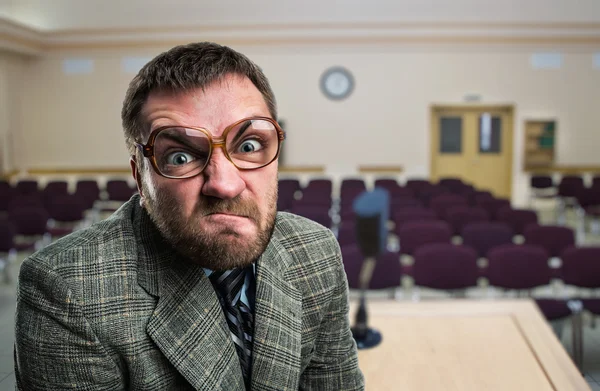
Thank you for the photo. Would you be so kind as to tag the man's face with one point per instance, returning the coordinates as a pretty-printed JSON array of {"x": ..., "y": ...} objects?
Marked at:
[{"x": 222, "y": 218}]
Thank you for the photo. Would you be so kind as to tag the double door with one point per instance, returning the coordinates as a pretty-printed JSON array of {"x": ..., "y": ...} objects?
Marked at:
[{"x": 473, "y": 143}]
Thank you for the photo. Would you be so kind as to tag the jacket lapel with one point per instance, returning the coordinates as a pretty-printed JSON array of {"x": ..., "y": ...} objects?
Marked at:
[
  {"x": 187, "y": 325},
  {"x": 277, "y": 322}
]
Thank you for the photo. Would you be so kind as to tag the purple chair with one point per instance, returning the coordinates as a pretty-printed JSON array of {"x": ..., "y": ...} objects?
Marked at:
[
  {"x": 517, "y": 219},
  {"x": 415, "y": 184},
  {"x": 66, "y": 214},
  {"x": 390, "y": 184},
  {"x": 455, "y": 185},
  {"x": 27, "y": 186},
  {"x": 348, "y": 195},
  {"x": 428, "y": 193},
  {"x": 387, "y": 271},
  {"x": 399, "y": 203},
  {"x": 413, "y": 214},
  {"x": 554, "y": 239},
  {"x": 570, "y": 185},
  {"x": 482, "y": 237},
  {"x": 25, "y": 201},
  {"x": 316, "y": 192},
  {"x": 445, "y": 266},
  {"x": 581, "y": 268},
  {"x": 287, "y": 190},
  {"x": 54, "y": 189},
  {"x": 119, "y": 190},
  {"x": 459, "y": 216},
  {"x": 480, "y": 196},
  {"x": 513, "y": 266},
  {"x": 596, "y": 181},
  {"x": 88, "y": 192},
  {"x": 442, "y": 203},
  {"x": 6, "y": 196},
  {"x": 415, "y": 234},
  {"x": 568, "y": 189},
  {"x": 353, "y": 260},
  {"x": 542, "y": 187},
  {"x": 492, "y": 206},
  {"x": 352, "y": 184},
  {"x": 315, "y": 213},
  {"x": 346, "y": 234},
  {"x": 589, "y": 204}
]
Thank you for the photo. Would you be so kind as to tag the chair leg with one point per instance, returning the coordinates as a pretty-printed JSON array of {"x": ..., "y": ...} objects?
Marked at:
[{"x": 576, "y": 307}]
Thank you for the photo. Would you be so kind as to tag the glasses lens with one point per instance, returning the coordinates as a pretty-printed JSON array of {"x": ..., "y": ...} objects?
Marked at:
[
  {"x": 181, "y": 152},
  {"x": 253, "y": 143}
]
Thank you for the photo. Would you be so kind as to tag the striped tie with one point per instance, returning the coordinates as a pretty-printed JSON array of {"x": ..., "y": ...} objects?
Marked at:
[{"x": 228, "y": 285}]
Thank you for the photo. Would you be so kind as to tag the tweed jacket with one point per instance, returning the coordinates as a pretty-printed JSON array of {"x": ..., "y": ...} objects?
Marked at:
[{"x": 113, "y": 307}]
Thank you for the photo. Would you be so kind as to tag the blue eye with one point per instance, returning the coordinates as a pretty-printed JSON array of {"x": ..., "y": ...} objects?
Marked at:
[
  {"x": 250, "y": 146},
  {"x": 179, "y": 158}
]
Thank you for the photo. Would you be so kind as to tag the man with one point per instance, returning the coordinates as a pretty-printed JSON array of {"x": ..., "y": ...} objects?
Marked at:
[{"x": 197, "y": 282}]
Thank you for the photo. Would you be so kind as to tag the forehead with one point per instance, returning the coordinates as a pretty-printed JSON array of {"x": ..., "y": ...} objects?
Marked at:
[{"x": 213, "y": 107}]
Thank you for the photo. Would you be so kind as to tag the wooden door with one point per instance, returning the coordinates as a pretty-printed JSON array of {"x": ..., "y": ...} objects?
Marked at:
[{"x": 473, "y": 143}]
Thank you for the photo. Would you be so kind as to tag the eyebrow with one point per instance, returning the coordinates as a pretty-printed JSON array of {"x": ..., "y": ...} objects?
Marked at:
[
  {"x": 181, "y": 139},
  {"x": 242, "y": 130}
]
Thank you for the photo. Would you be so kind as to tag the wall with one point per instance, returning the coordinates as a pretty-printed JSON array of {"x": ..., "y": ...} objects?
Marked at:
[
  {"x": 11, "y": 78},
  {"x": 74, "y": 120}
]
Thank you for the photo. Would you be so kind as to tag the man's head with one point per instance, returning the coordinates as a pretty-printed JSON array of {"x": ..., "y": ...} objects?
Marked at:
[{"x": 221, "y": 215}]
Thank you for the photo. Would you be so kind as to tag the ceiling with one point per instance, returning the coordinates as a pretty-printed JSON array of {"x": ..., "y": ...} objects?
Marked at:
[{"x": 56, "y": 15}]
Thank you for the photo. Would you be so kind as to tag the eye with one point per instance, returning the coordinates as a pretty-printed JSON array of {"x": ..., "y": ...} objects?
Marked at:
[
  {"x": 179, "y": 158},
  {"x": 250, "y": 146}
]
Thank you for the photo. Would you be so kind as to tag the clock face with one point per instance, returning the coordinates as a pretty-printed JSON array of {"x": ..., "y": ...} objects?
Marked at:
[{"x": 337, "y": 83}]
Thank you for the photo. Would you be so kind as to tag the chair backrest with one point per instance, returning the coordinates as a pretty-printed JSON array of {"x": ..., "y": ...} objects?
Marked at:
[
  {"x": 492, "y": 205},
  {"x": 541, "y": 181},
  {"x": 319, "y": 214},
  {"x": 554, "y": 239},
  {"x": 88, "y": 191},
  {"x": 514, "y": 266},
  {"x": 415, "y": 234},
  {"x": 119, "y": 190},
  {"x": 352, "y": 260},
  {"x": 53, "y": 189},
  {"x": 346, "y": 233},
  {"x": 411, "y": 214},
  {"x": 27, "y": 186},
  {"x": 66, "y": 208},
  {"x": 445, "y": 266},
  {"x": 387, "y": 271},
  {"x": 588, "y": 197},
  {"x": 452, "y": 184},
  {"x": 7, "y": 235},
  {"x": 570, "y": 185},
  {"x": 390, "y": 184},
  {"x": 581, "y": 266},
  {"x": 441, "y": 203},
  {"x": 352, "y": 184},
  {"x": 29, "y": 221},
  {"x": 460, "y": 215},
  {"x": 518, "y": 219},
  {"x": 486, "y": 235}
]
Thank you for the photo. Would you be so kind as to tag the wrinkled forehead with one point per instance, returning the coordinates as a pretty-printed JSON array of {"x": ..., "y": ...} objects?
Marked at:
[{"x": 212, "y": 107}]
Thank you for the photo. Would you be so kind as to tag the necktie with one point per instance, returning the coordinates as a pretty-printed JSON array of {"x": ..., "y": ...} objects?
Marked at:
[{"x": 228, "y": 285}]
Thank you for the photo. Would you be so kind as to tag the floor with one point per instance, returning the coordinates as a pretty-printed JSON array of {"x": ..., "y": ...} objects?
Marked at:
[{"x": 591, "y": 334}]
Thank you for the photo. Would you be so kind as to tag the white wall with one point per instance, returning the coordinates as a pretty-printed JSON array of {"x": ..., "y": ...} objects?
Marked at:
[
  {"x": 11, "y": 71},
  {"x": 74, "y": 120}
]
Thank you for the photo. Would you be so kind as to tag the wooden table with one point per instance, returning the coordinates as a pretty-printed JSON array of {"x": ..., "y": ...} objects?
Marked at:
[{"x": 465, "y": 345}]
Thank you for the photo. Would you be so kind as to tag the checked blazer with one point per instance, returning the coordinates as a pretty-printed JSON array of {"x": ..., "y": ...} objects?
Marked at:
[{"x": 114, "y": 307}]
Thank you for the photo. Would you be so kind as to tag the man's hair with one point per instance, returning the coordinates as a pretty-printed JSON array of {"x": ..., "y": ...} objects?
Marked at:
[{"x": 184, "y": 68}]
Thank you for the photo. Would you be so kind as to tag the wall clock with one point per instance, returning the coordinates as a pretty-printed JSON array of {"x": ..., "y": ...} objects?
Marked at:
[{"x": 337, "y": 83}]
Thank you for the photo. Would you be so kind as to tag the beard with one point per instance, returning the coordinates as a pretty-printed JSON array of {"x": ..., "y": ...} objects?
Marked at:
[{"x": 221, "y": 250}]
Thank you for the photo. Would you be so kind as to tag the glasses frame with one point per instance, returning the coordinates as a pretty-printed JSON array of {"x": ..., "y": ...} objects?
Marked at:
[{"x": 147, "y": 149}]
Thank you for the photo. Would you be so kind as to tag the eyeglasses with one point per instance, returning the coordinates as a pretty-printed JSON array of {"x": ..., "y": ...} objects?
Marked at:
[{"x": 182, "y": 152}]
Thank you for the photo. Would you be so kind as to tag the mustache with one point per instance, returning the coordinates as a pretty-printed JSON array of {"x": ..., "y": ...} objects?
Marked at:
[{"x": 235, "y": 206}]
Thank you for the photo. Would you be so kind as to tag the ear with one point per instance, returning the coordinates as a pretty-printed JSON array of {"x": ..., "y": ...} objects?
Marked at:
[{"x": 135, "y": 172}]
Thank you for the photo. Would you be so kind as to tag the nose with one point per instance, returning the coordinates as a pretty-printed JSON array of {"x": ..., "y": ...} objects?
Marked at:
[{"x": 221, "y": 178}]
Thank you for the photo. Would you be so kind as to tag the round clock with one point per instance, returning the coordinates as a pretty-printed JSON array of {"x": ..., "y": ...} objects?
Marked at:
[{"x": 337, "y": 83}]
